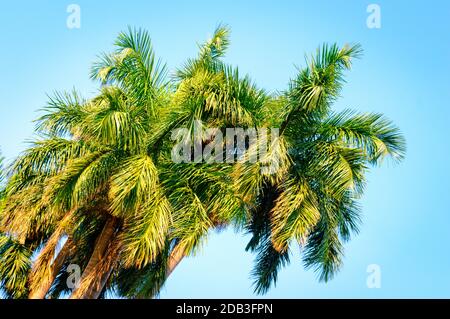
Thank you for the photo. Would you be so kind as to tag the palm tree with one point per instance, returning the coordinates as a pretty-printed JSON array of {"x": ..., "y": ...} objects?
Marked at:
[
  {"x": 312, "y": 198},
  {"x": 88, "y": 157},
  {"x": 106, "y": 149},
  {"x": 14, "y": 256},
  {"x": 102, "y": 182},
  {"x": 200, "y": 196}
]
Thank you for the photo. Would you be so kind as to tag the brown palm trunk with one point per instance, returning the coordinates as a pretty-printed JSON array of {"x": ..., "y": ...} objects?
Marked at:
[
  {"x": 175, "y": 257},
  {"x": 46, "y": 267},
  {"x": 101, "y": 263},
  {"x": 41, "y": 289}
]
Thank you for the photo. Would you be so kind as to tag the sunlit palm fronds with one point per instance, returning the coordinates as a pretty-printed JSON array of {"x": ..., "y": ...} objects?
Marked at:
[{"x": 101, "y": 180}]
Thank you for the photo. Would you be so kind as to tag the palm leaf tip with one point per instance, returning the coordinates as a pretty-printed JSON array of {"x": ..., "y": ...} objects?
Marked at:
[{"x": 218, "y": 44}]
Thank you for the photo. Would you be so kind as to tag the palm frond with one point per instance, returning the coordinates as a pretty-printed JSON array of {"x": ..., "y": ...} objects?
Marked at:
[
  {"x": 63, "y": 114},
  {"x": 294, "y": 215},
  {"x": 15, "y": 262},
  {"x": 373, "y": 133}
]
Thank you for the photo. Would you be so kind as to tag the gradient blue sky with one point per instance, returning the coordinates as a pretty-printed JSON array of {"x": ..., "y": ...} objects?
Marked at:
[{"x": 404, "y": 74}]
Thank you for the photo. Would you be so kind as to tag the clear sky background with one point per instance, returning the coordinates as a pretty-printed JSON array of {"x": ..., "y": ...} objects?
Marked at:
[{"x": 404, "y": 74}]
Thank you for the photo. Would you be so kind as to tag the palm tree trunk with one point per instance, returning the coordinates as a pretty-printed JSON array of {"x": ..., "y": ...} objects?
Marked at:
[
  {"x": 44, "y": 285},
  {"x": 175, "y": 258},
  {"x": 100, "y": 265},
  {"x": 46, "y": 267}
]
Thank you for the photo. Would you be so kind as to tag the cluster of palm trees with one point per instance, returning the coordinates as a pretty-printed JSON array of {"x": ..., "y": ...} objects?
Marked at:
[{"x": 99, "y": 189}]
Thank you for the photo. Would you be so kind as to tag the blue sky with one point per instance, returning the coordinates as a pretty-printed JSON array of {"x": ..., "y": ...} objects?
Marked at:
[{"x": 404, "y": 74}]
